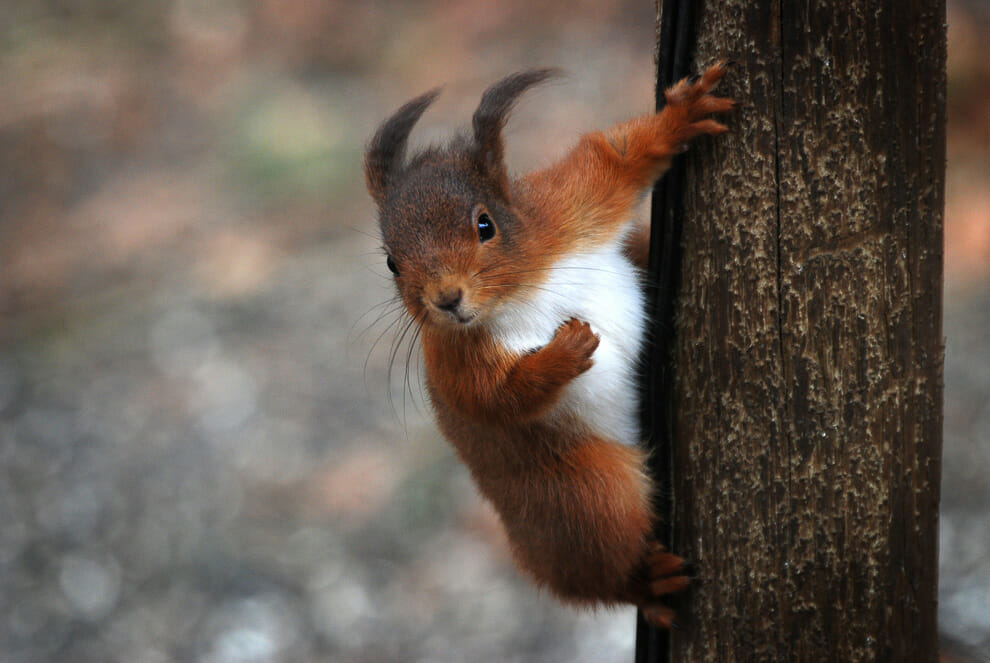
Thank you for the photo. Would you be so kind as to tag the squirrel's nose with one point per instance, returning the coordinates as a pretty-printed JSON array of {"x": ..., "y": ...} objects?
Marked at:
[{"x": 449, "y": 300}]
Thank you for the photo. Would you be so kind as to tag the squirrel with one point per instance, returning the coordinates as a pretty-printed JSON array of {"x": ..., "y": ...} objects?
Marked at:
[{"x": 527, "y": 295}]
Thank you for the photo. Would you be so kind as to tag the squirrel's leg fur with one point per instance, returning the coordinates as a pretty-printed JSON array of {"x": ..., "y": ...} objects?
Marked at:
[
  {"x": 595, "y": 186},
  {"x": 589, "y": 545},
  {"x": 496, "y": 387},
  {"x": 584, "y": 532},
  {"x": 642, "y": 148}
]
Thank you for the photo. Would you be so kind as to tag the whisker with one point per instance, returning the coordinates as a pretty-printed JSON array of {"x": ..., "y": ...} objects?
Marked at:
[
  {"x": 494, "y": 265},
  {"x": 392, "y": 355},
  {"x": 542, "y": 288},
  {"x": 394, "y": 302},
  {"x": 414, "y": 324},
  {"x": 521, "y": 272},
  {"x": 374, "y": 236},
  {"x": 396, "y": 309},
  {"x": 550, "y": 267},
  {"x": 388, "y": 328},
  {"x": 413, "y": 344}
]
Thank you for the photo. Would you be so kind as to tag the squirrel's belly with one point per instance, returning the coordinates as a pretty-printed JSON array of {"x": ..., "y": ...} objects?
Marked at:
[{"x": 601, "y": 288}]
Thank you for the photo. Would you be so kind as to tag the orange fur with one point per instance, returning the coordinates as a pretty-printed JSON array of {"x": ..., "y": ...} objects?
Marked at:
[{"x": 576, "y": 506}]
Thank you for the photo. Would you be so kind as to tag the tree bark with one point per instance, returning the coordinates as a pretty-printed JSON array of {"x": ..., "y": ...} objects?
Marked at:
[{"x": 807, "y": 393}]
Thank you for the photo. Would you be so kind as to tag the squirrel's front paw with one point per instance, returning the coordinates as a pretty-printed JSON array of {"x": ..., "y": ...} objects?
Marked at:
[
  {"x": 576, "y": 340},
  {"x": 691, "y": 101}
]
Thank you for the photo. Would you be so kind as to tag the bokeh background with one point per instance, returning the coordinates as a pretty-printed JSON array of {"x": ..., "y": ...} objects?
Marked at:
[{"x": 203, "y": 453}]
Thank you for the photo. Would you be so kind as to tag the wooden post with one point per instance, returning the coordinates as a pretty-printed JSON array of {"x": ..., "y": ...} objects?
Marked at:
[{"x": 806, "y": 396}]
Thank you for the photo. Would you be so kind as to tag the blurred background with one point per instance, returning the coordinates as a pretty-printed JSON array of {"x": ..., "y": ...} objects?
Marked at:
[{"x": 203, "y": 453}]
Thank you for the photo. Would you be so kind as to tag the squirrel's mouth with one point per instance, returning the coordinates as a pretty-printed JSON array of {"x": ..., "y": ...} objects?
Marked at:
[
  {"x": 450, "y": 307},
  {"x": 459, "y": 318},
  {"x": 455, "y": 317}
]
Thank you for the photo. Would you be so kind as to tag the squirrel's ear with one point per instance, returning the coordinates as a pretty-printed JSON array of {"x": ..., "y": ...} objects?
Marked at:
[
  {"x": 490, "y": 118},
  {"x": 387, "y": 149}
]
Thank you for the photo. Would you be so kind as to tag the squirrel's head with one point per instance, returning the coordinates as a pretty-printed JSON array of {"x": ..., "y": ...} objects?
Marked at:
[{"x": 449, "y": 230}]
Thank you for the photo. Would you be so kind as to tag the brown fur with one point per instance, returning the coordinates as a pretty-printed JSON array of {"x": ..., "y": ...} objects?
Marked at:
[{"x": 576, "y": 507}]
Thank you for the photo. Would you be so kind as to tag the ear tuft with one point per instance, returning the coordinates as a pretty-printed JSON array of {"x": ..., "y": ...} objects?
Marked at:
[
  {"x": 388, "y": 147},
  {"x": 490, "y": 118}
]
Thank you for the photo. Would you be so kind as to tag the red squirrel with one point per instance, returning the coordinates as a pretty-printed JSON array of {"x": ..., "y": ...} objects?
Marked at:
[{"x": 528, "y": 300}]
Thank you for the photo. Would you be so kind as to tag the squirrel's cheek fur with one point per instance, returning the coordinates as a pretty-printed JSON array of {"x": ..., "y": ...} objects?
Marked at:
[{"x": 531, "y": 328}]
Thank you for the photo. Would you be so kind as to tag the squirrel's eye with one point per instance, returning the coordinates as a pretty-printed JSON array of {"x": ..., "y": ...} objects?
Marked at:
[
  {"x": 391, "y": 265},
  {"x": 486, "y": 227}
]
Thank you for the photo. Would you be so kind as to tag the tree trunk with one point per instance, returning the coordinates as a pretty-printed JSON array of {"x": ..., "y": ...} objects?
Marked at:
[{"x": 807, "y": 398}]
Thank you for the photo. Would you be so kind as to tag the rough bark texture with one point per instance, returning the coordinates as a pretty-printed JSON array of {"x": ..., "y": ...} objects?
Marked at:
[{"x": 808, "y": 355}]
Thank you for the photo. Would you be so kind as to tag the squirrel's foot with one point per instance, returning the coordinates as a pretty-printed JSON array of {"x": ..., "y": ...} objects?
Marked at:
[
  {"x": 666, "y": 574},
  {"x": 690, "y": 100}
]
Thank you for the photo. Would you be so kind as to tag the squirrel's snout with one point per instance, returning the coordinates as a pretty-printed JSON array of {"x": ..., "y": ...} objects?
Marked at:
[{"x": 449, "y": 300}]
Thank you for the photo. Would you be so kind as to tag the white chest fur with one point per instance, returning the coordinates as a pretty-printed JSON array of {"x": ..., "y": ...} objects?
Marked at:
[{"x": 600, "y": 288}]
